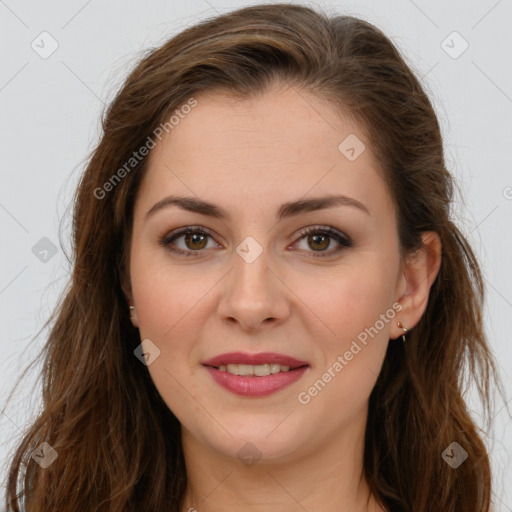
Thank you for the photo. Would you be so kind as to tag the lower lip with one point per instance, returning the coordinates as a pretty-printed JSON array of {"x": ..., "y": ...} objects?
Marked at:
[{"x": 256, "y": 386}]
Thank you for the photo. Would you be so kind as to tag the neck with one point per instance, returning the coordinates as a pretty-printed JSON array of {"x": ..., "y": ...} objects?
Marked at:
[{"x": 328, "y": 477}]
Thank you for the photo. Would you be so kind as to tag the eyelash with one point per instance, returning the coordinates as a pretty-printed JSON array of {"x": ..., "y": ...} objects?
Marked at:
[{"x": 344, "y": 241}]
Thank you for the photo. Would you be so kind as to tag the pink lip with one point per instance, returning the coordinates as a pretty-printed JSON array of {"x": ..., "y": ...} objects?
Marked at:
[
  {"x": 254, "y": 359},
  {"x": 251, "y": 385},
  {"x": 256, "y": 386}
]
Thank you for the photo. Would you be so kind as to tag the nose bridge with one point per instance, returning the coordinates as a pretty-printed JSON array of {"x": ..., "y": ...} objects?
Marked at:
[
  {"x": 251, "y": 266},
  {"x": 252, "y": 294}
]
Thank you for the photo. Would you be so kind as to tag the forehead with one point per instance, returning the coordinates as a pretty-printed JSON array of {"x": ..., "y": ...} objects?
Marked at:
[{"x": 280, "y": 145}]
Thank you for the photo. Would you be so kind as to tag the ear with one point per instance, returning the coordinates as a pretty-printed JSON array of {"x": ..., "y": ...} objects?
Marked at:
[
  {"x": 419, "y": 272},
  {"x": 133, "y": 315},
  {"x": 127, "y": 291}
]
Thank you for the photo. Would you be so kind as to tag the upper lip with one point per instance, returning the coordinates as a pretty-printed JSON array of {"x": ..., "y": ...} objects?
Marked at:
[{"x": 255, "y": 359}]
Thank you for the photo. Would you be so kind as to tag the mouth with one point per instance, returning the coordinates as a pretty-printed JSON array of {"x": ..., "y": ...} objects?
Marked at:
[
  {"x": 259, "y": 370},
  {"x": 255, "y": 374},
  {"x": 257, "y": 365}
]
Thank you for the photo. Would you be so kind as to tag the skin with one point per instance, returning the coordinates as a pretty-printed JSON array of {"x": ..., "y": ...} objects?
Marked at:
[{"x": 249, "y": 157}]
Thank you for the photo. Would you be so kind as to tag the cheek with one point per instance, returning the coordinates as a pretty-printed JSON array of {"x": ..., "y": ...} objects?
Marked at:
[
  {"x": 166, "y": 297},
  {"x": 173, "y": 307},
  {"x": 168, "y": 308},
  {"x": 353, "y": 316},
  {"x": 349, "y": 300}
]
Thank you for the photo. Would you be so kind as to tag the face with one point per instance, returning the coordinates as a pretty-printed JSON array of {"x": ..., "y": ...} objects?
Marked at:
[{"x": 317, "y": 284}]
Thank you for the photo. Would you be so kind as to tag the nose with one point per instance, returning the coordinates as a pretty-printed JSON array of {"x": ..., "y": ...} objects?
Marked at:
[{"x": 254, "y": 295}]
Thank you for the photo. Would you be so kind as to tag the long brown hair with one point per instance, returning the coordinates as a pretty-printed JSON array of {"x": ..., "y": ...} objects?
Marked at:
[{"x": 118, "y": 444}]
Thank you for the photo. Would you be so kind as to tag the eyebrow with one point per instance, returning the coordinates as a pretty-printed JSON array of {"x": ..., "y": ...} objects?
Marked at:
[{"x": 193, "y": 204}]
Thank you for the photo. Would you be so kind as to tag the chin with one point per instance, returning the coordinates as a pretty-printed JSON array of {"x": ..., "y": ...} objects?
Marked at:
[{"x": 251, "y": 441}]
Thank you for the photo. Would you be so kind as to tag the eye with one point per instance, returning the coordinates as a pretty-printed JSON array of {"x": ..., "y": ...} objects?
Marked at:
[
  {"x": 320, "y": 237},
  {"x": 195, "y": 239}
]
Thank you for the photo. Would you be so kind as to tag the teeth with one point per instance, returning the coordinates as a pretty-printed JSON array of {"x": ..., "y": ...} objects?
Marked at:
[
  {"x": 276, "y": 368},
  {"x": 259, "y": 370}
]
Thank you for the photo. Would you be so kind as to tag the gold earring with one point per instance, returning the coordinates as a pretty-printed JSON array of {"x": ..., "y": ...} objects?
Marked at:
[
  {"x": 404, "y": 329},
  {"x": 131, "y": 310}
]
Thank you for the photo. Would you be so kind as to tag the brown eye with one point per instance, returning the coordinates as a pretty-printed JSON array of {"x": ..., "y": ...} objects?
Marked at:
[
  {"x": 320, "y": 241},
  {"x": 194, "y": 240},
  {"x": 319, "y": 238}
]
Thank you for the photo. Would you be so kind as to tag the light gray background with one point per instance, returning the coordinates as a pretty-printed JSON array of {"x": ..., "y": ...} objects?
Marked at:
[{"x": 50, "y": 120}]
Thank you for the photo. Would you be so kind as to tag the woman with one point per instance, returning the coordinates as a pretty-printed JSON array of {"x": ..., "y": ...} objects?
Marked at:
[{"x": 270, "y": 307}]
